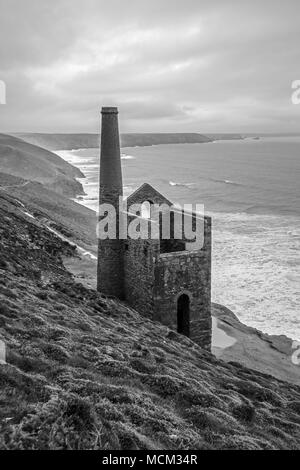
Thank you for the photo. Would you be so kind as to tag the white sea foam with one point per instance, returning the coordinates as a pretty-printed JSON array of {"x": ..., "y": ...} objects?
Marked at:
[
  {"x": 186, "y": 185},
  {"x": 255, "y": 268},
  {"x": 127, "y": 157},
  {"x": 222, "y": 181}
]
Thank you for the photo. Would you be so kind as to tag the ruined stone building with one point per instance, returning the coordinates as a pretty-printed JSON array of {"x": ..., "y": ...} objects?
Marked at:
[{"x": 163, "y": 279}]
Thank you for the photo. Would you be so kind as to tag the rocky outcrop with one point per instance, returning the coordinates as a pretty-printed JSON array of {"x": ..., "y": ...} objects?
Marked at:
[{"x": 250, "y": 347}]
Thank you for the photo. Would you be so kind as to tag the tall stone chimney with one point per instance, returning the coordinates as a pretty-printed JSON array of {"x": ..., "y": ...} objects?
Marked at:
[{"x": 110, "y": 272}]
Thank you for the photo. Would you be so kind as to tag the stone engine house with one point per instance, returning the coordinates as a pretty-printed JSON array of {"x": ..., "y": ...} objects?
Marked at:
[{"x": 166, "y": 280}]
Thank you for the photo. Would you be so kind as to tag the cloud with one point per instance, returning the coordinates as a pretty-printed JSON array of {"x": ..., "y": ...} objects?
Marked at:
[{"x": 190, "y": 65}]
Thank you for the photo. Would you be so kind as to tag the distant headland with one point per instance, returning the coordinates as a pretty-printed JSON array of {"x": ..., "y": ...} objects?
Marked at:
[{"x": 80, "y": 141}]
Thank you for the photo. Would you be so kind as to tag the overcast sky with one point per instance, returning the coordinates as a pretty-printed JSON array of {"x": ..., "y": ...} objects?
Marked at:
[{"x": 169, "y": 65}]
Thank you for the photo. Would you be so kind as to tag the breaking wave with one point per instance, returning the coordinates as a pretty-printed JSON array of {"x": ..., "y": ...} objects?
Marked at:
[
  {"x": 186, "y": 185},
  {"x": 127, "y": 157},
  {"x": 234, "y": 183}
]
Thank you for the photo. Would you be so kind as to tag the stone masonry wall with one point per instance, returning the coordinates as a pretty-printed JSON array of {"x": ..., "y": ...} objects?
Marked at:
[
  {"x": 147, "y": 193},
  {"x": 139, "y": 261},
  {"x": 158, "y": 272},
  {"x": 110, "y": 270},
  {"x": 186, "y": 272}
]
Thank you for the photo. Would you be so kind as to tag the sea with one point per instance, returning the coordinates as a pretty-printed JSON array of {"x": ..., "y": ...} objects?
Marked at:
[{"x": 250, "y": 187}]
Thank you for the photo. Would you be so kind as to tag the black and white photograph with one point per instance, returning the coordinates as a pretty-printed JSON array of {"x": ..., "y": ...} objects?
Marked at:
[{"x": 149, "y": 229}]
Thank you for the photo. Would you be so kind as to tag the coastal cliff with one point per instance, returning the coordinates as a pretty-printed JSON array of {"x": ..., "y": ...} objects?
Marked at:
[
  {"x": 28, "y": 161},
  {"x": 79, "y": 141}
]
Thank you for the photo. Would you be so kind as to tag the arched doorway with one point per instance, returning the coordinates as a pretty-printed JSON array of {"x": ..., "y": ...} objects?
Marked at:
[{"x": 183, "y": 315}]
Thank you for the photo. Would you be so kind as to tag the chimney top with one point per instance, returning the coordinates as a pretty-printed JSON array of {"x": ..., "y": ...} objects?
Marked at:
[{"x": 109, "y": 110}]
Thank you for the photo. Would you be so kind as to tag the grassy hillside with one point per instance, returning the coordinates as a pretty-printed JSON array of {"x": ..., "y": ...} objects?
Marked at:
[
  {"x": 22, "y": 159},
  {"x": 85, "y": 371},
  {"x": 77, "y": 141}
]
